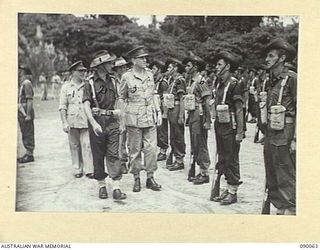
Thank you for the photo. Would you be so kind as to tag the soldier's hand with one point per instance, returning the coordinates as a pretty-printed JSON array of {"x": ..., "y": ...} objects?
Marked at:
[
  {"x": 27, "y": 118},
  {"x": 293, "y": 146},
  {"x": 66, "y": 127},
  {"x": 239, "y": 137},
  {"x": 97, "y": 128},
  {"x": 181, "y": 120},
  {"x": 207, "y": 125}
]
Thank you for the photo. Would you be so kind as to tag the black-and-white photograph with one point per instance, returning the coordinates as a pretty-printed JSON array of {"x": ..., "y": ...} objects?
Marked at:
[{"x": 157, "y": 114}]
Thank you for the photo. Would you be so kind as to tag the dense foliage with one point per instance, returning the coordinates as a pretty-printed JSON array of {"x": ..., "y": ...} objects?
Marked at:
[{"x": 50, "y": 42}]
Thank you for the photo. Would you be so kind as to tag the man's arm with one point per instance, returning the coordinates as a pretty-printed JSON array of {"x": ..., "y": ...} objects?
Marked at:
[{"x": 123, "y": 94}]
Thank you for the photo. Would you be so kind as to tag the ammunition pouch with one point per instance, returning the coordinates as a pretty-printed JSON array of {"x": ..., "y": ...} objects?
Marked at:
[
  {"x": 168, "y": 101},
  {"x": 189, "y": 102},
  {"x": 277, "y": 117},
  {"x": 223, "y": 113},
  {"x": 251, "y": 90}
]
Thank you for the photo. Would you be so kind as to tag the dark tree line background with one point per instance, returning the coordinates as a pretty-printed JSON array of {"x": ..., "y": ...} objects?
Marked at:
[{"x": 49, "y": 42}]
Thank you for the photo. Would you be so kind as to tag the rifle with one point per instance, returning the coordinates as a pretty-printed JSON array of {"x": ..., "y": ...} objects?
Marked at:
[
  {"x": 265, "y": 201},
  {"x": 256, "y": 134},
  {"x": 192, "y": 167},
  {"x": 215, "y": 186}
]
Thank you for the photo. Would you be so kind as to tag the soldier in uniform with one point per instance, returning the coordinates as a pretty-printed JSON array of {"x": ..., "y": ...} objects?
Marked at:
[
  {"x": 26, "y": 114},
  {"x": 228, "y": 125},
  {"x": 161, "y": 87},
  {"x": 120, "y": 67},
  {"x": 141, "y": 115},
  {"x": 74, "y": 121},
  {"x": 252, "y": 101},
  {"x": 99, "y": 99},
  {"x": 241, "y": 77},
  {"x": 280, "y": 136},
  {"x": 199, "y": 118},
  {"x": 177, "y": 88}
]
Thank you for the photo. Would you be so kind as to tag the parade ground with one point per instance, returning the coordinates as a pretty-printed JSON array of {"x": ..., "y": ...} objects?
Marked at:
[{"x": 48, "y": 184}]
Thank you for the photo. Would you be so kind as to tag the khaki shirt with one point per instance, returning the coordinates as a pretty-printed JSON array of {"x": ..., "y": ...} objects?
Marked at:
[
  {"x": 137, "y": 91},
  {"x": 71, "y": 100}
]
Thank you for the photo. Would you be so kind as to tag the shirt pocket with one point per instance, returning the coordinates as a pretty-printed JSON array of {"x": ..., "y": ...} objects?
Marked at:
[{"x": 131, "y": 115}]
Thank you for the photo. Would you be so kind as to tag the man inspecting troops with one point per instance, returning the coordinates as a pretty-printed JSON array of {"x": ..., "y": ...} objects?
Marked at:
[
  {"x": 141, "y": 115},
  {"x": 99, "y": 99},
  {"x": 74, "y": 121},
  {"x": 280, "y": 127},
  {"x": 197, "y": 105},
  {"x": 228, "y": 125},
  {"x": 173, "y": 101},
  {"x": 26, "y": 113}
]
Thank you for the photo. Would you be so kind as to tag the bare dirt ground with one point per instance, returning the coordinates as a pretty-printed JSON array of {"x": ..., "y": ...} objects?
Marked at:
[{"x": 48, "y": 184}]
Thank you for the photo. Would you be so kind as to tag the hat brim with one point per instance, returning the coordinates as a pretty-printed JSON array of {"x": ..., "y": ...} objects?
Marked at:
[
  {"x": 121, "y": 65},
  {"x": 142, "y": 55},
  {"x": 110, "y": 59}
]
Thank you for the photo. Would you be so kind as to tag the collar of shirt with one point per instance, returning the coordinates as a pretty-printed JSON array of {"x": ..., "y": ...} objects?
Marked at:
[
  {"x": 223, "y": 81},
  {"x": 281, "y": 75},
  {"x": 72, "y": 83},
  {"x": 143, "y": 77}
]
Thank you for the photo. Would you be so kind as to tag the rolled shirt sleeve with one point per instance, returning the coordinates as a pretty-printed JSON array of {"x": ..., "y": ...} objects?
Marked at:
[
  {"x": 123, "y": 88},
  {"x": 87, "y": 93},
  {"x": 63, "y": 98}
]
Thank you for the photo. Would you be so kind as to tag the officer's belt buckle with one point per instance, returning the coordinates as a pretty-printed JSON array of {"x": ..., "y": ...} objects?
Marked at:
[{"x": 106, "y": 112}]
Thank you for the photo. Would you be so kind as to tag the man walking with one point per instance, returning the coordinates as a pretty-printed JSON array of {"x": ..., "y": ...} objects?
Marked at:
[
  {"x": 141, "y": 115},
  {"x": 99, "y": 98},
  {"x": 74, "y": 121}
]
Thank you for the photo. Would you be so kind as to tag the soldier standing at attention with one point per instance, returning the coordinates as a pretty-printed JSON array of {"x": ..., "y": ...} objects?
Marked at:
[
  {"x": 161, "y": 87},
  {"x": 99, "y": 99},
  {"x": 228, "y": 125},
  {"x": 280, "y": 135},
  {"x": 177, "y": 89},
  {"x": 141, "y": 115},
  {"x": 120, "y": 67},
  {"x": 26, "y": 113},
  {"x": 74, "y": 121},
  {"x": 199, "y": 118},
  {"x": 252, "y": 101}
]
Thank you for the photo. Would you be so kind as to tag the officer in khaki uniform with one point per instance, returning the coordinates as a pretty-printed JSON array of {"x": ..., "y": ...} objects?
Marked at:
[
  {"x": 176, "y": 91},
  {"x": 199, "y": 118},
  {"x": 161, "y": 87},
  {"x": 141, "y": 115},
  {"x": 74, "y": 121},
  {"x": 26, "y": 114},
  {"x": 280, "y": 135},
  {"x": 99, "y": 99},
  {"x": 228, "y": 125}
]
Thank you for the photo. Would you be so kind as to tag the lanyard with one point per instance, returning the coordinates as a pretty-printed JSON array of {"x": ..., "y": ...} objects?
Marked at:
[{"x": 283, "y": 83}]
